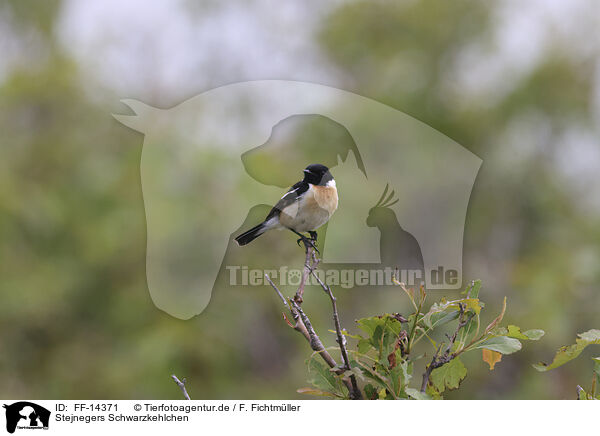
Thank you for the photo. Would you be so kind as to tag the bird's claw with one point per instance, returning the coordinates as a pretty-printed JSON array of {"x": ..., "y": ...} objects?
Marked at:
[{"x": 308, "y": 242}]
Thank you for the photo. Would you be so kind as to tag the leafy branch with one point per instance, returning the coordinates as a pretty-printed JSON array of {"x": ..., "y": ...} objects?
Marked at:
[
  {"x": 447, "y": 356},
  {"x": 381, "y": 364},
  {"x": 385, "y": 354},
  {"x": 567, "y": 353}
]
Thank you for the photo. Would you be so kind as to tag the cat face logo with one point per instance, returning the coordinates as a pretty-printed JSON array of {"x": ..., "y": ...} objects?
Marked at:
[
  {"x": 210, "y": 162},
  {"x": 26, "y": 415}
]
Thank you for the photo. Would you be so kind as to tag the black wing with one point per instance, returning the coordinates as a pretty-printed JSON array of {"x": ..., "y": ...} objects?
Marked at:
[{"x": 290, "y": 197}]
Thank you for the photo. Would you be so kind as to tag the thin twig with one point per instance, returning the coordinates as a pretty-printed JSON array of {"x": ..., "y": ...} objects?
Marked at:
[
  {"x": 276, "y": 289},
  {"x": 305, "y": 272},
  {"x": 181, "y": 385},
  {"x": 302, "y": 324},
  {"x": 314, "y": 340},
  {"x": 298, "y": 325},
  {"x": 430, "y": 368},
  {"x": 341, "y": 339}
]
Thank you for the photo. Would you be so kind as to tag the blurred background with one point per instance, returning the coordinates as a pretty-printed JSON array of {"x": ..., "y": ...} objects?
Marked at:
[{"x": 516, "y": 83}]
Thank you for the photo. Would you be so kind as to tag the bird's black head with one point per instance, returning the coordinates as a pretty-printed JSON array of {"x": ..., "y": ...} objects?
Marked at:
[{"x": 317, "y": 174}]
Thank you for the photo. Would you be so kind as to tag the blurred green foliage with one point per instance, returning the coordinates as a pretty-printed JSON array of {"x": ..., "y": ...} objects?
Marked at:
[{"x": 75, "y": 314}]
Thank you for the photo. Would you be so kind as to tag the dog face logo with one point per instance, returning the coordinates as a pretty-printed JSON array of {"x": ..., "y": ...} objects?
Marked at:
[
  {"x": 209, "y": 165},
  {"x": 26, "y": 415}
]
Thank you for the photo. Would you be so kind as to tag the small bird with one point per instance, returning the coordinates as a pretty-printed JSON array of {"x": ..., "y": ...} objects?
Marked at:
[{"x": 305, "y": 207}]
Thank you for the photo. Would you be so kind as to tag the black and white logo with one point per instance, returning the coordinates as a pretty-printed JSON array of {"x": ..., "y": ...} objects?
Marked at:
[{"x": 26, "y": 415}]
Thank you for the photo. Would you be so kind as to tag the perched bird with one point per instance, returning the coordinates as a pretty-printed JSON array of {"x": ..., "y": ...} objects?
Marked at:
[{"x": 304, "y": 208}]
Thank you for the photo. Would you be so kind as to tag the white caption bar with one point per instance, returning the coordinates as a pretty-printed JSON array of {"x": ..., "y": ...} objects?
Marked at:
[{"x": 23, "y": 417}]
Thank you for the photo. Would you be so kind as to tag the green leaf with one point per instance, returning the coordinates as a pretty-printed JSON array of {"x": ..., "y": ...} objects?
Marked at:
[
  {"x": 581, "y": 394},
  {"x": 356, "y": 372},
  {"x": 368, "y": 325},
  {"x": 501, "y": 344},
  {"x": 512, "y": 331},
  {"x": 472, "y": 304},
  {"x": 417, "y": 395},
  {"x": 394, "y": 325},
  {"x": 323, "y": 379},
  {"x": 433, "y": 393},
  {"x": 472, "y": 291},
  {"x": 382, "y": 333},
  {"x": 370, "y": 392},
  {"x": 363, "y": 346},
  {"x": 446, "y": 318},
  {"x": 438, "y": 319},
  {"x": 448, "y": 375},
  {"x": 532, "y": 335},
  {"x": 399, "y": 378},
  {"x": 475, "y": 289},
  {"x": 472, "y": 326},
  {"x": 377, "y": 378},
  {"x": 596, "y": 380},
  {"x": 570, "y": 352},
  {"x": 498, "y": 331},
  {"x": 591, "y": 336},
  {"x": 438, "y": 313},
  {"x": 596, "y": 365}
]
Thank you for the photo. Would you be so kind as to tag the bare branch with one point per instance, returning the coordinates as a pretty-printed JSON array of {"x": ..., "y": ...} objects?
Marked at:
[
  {"x": 276, "y": 289},
  {"x": 341, "y": 339},
  {"x": 303, "y": 325},
  {"x": 305, "y": 272},
  {"x": 181, "y": 385},
  {"x": 430, "y": 368},
  {"x": 298, "y": 325},
  {"x": 314, "y": 340}
]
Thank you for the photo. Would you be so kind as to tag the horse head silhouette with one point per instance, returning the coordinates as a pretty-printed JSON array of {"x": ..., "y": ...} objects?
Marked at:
[{"x": 200, "y": 178}]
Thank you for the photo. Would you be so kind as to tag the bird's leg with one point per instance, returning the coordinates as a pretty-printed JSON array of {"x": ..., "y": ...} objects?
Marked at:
[
  {"x": 307, "y": 242},
  {"x": 311, "y": 243},
  {"x": 302, "y": 237},
  {"x": 313, "y": 235}
]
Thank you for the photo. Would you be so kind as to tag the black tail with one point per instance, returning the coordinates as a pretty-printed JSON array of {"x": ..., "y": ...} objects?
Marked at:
[{"x": 250, "y": 235}]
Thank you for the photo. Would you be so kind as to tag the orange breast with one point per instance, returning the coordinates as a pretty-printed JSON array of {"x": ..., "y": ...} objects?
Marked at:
[{"x": 326, "y": 197}]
